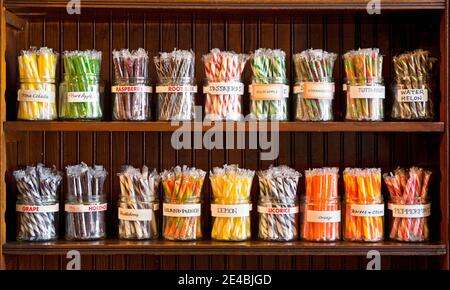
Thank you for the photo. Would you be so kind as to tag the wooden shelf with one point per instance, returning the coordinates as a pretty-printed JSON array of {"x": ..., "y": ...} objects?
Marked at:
[
  {"x": 229, "y": 4},
  {"x": 114, "y": 246},
  {"x": 15, "y": 126}
]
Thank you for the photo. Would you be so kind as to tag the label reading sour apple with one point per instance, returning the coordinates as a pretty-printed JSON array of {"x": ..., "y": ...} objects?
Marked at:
[
  {"x": 83, "y": 97},
  {"x": 366, "y": 92},
  {"x": 412, "y": 95},
  {"x": 267, "y": 92},
  {"x": 176, "y": 89},
  {"x": 86, "y": 207},
  {"x": 131, "y": 89},
  {"x": 229, "y": 88}
]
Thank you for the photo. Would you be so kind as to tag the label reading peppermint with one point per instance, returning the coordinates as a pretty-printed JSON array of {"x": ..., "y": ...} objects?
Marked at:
[
  {"x": 229, "y": 88},
  {"x": 366, "y": 92},
  {"x": 267, "y": 92},
  {"x": 315, "y": 90},
  {"x": 127, "y": 214},
  {"x": 367, "y": 210},
  {"x": 230, "y": 210},
  {"x": 36, "y": 96},
  {"x": 83, "y": 97},
  {"x": 315, "y": 216},
  {"x": 37, "y": 208},
  {"x": 410, "y": 210},
  {"x": 412, "y": 95},
  {"x": 131, "y": 89},
  {"x": 278, "y": 210},
  {"x": 86, "y": 207},
  {"x": 181, "y": 210},
  {"x": 176, "y": 89}
]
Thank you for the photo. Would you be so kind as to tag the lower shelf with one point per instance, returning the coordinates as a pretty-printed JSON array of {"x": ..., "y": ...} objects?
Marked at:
[{"x": 157, "y": 247}]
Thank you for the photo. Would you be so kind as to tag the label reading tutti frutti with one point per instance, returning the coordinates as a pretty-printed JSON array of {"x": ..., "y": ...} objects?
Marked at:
[
  {"x": 230, "y": 210},
  {"x": 366, "y": 92},
  {"x": 83, "y": 97},
  {"x": 410, "y": 210},
  {"x": 36, "y": 96},
  {"x": 367, "y": 210},
  {"x": 412, "y": 95},
  {"x": 267, "y": 92},
  {"x": 229, "y": 88},
  {"x": 37, "y": 208},
  {"x": 181, "y": 210},
  {"x": 315, "y": 216}
]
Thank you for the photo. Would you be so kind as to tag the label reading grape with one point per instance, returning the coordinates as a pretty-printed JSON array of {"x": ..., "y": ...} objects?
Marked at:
[
  {"x": 314, "y": 216},
  {"x": 228, "y": 88},
  {"x": 366, "y": 92},
  {"x": 267, "y": 92},
  {"x": 131, "y": 89},
  {"x": 176, "y": 89},
  {"x": 83, "y": 97},
  {"x": 368, "y": 210},
  {"x": 181, "y": 210},
  {"x": 410, "y": 210},
  {"x": 412, "y": 95},
  {"x": 230, "y": 210},
  {"x": 36, "y": 96},
  {"x": 37, "y": 208},
  {"x": 128, "y": 214}
]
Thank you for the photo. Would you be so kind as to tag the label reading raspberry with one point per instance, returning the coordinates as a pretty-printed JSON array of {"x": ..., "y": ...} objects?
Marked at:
[{"x": 131, "y": 89}]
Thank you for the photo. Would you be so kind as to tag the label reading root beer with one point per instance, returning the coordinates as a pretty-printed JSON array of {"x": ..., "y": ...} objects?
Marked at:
[
  {"x": 412, "y": 95},
  {"x": 314, "y": 216},
  {"x": 86, "y": 207},
  {"x": 128, "y": 214},
  {"x": 410, "y": 210},
  {"x": 267, "y": 92},
  {"x": 278, "y": 210},
  {"x": 83, "y": 97},
  {"x": 366, "y": 92},
  {"x": 367, "y": 210},
  {"x": 230, "y": 210},
  {"x": 228, "y": 88},
  {"x": 37, "y": 208},
  {"x": 131, "y": 89},
  {"x": 181, "y": 210},
  {"x": 36, "y": 96},
  {"x": 176, "y": 89}
]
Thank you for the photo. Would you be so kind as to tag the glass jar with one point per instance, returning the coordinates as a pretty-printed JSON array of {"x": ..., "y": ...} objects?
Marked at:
[
  {"x": 413, "y": 98},
  {"x": 37, "y": 219},
  {"x": 278, "y": 219},
  {"x": 269, "y": 99},
  {"x": 409, "y": 221},
  {"x": 176, "y": 99},
  {"x": 224, "y": 100},
  {"x": 365, "y": 99},
  {"x": 132, "y": 99},
  {"x": 231, "y": 222},
  {"x": 363, "y": 221},
  {"x": 314, "y": 100},
  {"x": 182, "y": 219},
  {"x": 81, "y": 97},
  {"x": 85, "y": 218},
  {"x": 36, "y": 100},
  {"x": 138, "y": 219},
  {"x": 321, "y": 219}
]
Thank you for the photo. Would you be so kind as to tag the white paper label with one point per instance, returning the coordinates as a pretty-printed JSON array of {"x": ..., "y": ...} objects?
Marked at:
[
  {"x": 37, "y": 208},
  {"x": 410, "y": 210},
  {"x": 83, "y": 97},
  {"x": 367, "y": 210},
  {"x": 127, "y": 214},
  {"x": 131, "y": 89},
  {"x": 267, "y": 92},
  {"x": 314, "y": 216},
  {"x": 182, "y": 210},
  {"x": 224, "y": 88},
  {"x": 36, "y": 96},
  {"x": 366, "y": 92},
  {"x": 86, "y": 207},
  {"x": 230, "y": 210},
  {"x": 277, "y": 210},
  {"x": 176, "y": 89},
  {"x": 412, "y": 95},
  {"x": 315, "y": 90}
]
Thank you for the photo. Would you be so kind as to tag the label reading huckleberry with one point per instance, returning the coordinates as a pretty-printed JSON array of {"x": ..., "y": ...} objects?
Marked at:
[
  {"x": 410, "y": 210},
  {"x": 176, "y": 89},
  {"x": 315, "y": 216},
  {"x": 367, "y": 210},
  {"x": 83, "y": 97},
  {"x": 366, "y": 92},
  {"x": 86, "y": 207},
  {"x": 230, "y": 210},
  {"x": 35, "y": 96},
  {"x": 277, "y": 210},
  {"x": 129, "y": 214},
  {"x": 181, "y": 210},
  {"x": 229, "y": 88},
  {"x": 37, "y": 208},
  {"x": 412, "y": 95},
  {"x": 267, "y": 92}
]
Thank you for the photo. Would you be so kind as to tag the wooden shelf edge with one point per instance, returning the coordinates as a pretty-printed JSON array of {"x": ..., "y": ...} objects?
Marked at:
[
  {"x": 116, "y": 247},
  {"x": 230, "y": 4},
  {"x": 17, "y": 126}
]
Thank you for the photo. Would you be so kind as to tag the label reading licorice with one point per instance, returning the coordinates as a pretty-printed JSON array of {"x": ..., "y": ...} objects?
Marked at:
[
  {"x": 37, "y": 208},
  {"x": 367, "y": 210},
  {"x": 410, "y": 210},
  {"x": 131, "y": 89},
  {"x": 315, "y": 216},
  {"x": 277, "y": 210},
  {"x": 315, "y": 90},
  {"x": 230, "y": 210},
  {"x": 268, "y": 92},
  {"x": 128, "y": 214},
  {"x": 36, "y": 96},
  {"x": 366, "y": 92},
  {"x": 182, "y": 210},
  {"x": 86, "y": 207},
  {"x": 176, "y": 89},
  {"x": 83, "y": 97},
  {"x": 222, "y": 88},
  {"x": 412, "y": 95}
]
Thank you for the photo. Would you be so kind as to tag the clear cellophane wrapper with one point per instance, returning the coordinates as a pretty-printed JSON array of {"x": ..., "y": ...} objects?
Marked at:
[
  {"x": 363, "y": 217},
  {"x": 231, "y": 185},
  {"x": 320, "y": 207},
  {"x": 278, "y": 192}
]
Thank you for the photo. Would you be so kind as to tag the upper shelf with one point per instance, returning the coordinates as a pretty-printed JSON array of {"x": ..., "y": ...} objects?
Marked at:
[
  {"x": 230, "y": 4},
  {"x": 12, "y": 126}
]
